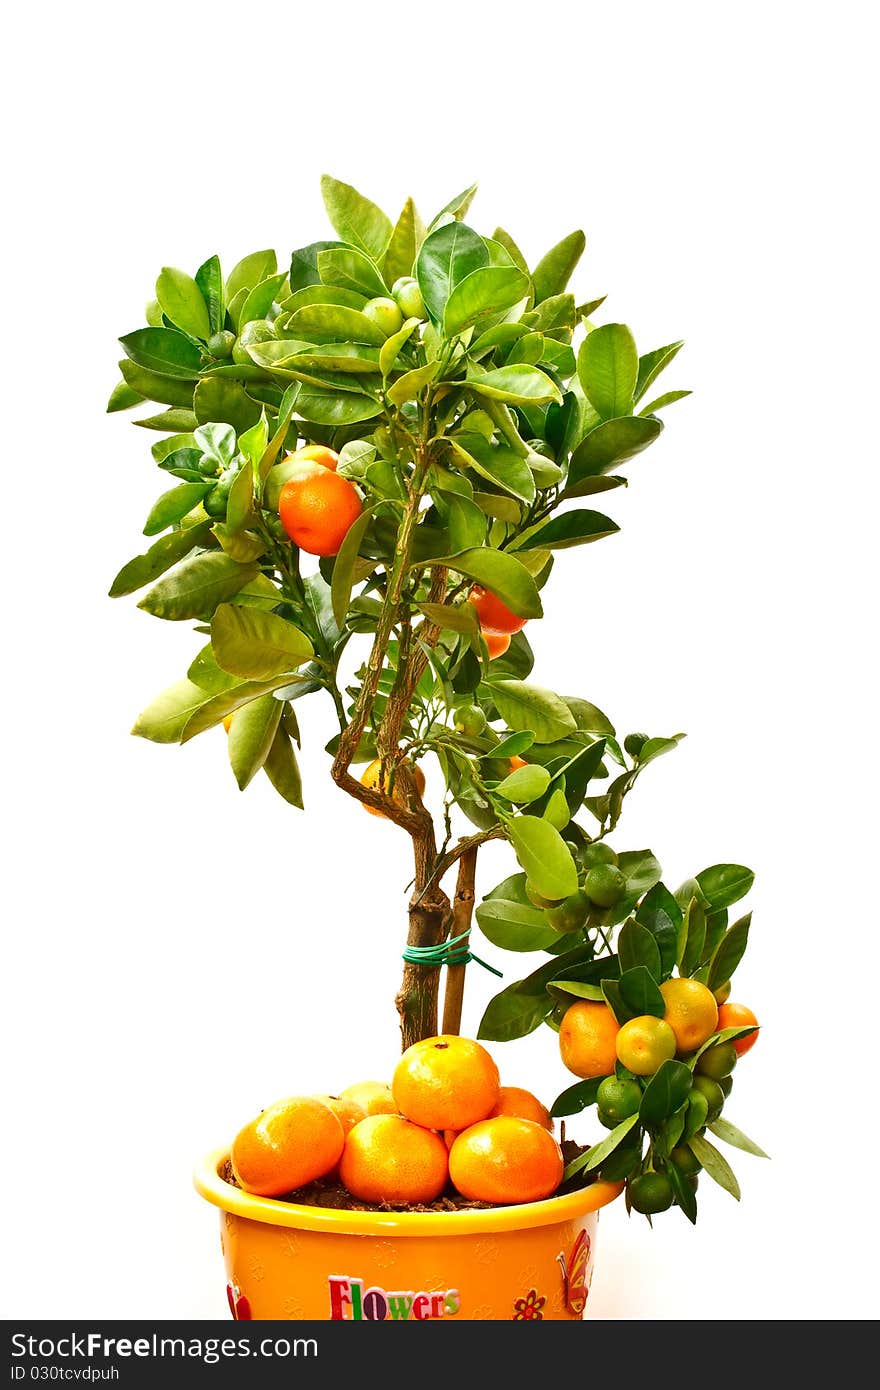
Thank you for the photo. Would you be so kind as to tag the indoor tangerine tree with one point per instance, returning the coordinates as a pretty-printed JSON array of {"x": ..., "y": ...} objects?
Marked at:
[{"x": 428, "y": 415}]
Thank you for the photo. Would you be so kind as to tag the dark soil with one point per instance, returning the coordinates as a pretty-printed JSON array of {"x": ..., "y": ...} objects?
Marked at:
[{"x": 326, "y": 1192}]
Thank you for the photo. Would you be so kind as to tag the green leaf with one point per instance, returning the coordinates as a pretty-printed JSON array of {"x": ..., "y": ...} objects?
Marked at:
[
  {"x": 723, "y": 1129},
  {"x": 692, "y": 937},
  {"x": 497, "y": 462},
  {"x": 217, "y": 707},
  {"x": 724, "y": 884},
  {"x": 661, "y": 402},
  {"x": 408, "y": 386},
  {"x": 606, "y": 446},
  {"x": 282, "y": 769},
  {"x": 222, "y": 399},
  {"x": 588, "y": 717},
  {"x": 251, "y": 736},
  {"x": 729, "y": 952},
  {"x": 485, "y": 292},
  {"x": 164, "y": 719},
  {"x": 240, "y": 500},
  {"x": 502, "y": 238},
  {"x": 638, "y": 946},
  {"x": 596, "y": 1156},
  {"x": 529, "y": 707},
  {"x": 344, "y": 566},
  {"x": 258, "y": 301},
  {"x": 334, "y": 323},
  {"x": 328, "y": 408},
  {"x": 465, "y": 522},
  {"x": 197, "y": 586},
  {"x": 351, "y": 270},
  {"x": 554, "y": 270},
  {"x": 122, "y": 397},
  {"x": 143, "y": 569},
  {"x": 207, "y": 675},
  {"x": 171, "y": 419},
  {"x": 514, "y": 927},
  {"x": 209, "y": 280},
  {"x": 256, "y": 645},
  {"x": 406, "y": 238},
  {"x": 651, "y": 364},
  {"x": 390, "y": 349},
  {"x": 608, "y": 366},
  {"x": 461, "y": 617},
  {"x": 447, "y": 256},
  {"x": 250, "y": 271},
  {"x": 524, "y": 785},
  {"x": 354, "y": 218},
  {"x": 521, "y": 385},
  {"x": 163, "y": 350},
  {"x": 181, "y": 301},
  {"x": 724, "y": 1035},
  {"x": 568, "y": 529},
  {"x": 153, "y": 386},
  {"x": 457, "y": 207},
  {"x": 661, "y": 914},
  {"x": 544, "y": 856},
  {"x": 715, "y": 1164},
  {"x": 641, "y": 993},
  {"x": 577, "y": 1097},
  {"x": 513, "y": 1013},
  {"x": 173, "y": 505},
  {"x": 684, "y": 1193},
  {"x": 504, "y": 575},
  {"x": 303, "y": 272},
  {"x": 665, "y": 1093},
  {"x": 641, "y": 870}
]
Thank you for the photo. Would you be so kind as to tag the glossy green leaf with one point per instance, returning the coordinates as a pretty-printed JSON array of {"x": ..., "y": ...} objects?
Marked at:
[
  {"x": 661, "y": 402},
  {"x": 724, "y": 884},
  {"x": 722, "y": 1036},
  {"x": 221, "y": 399},
  {"x": 251, "y": 271},
  {"x": 692, "y": 938},
  {"x": 207, "y": 675},
  {"x": 487, "y": 291},
  {"x": 502, "y": 238},
  {"x": 568, "y": 529},
  {"x": 259, "y": 300},
  {"x": 172, "y": 419},
  {"x": 608, "y": 366},
  {"x": 723, "y": 1129},
  {"x": 641, "y": 993},
  {"x": 460, "y": 617},
  {"x": 588, "y": 716},
  {"x": 256, "y": 645},
  {"x": 636, "y": 945},
  {"x": 514, "y": 927},
  {"x": 660, "y": 913},
  {"x": 173, "y": 505},
  {"x": 197, "y": 586},
  {"x": 729, "y": 952},
  {"x": 344, "y": 566},
  {"x": 225, "y": 702},
  {"x": 411, "y": 384},
  {"x": 523, "y": 706},
  {"x": 402, "y": 249},
  {"x": 165, "y": 718},
  {"x": 496, "y": 462},
  {"x": 282, "y": 769},
  {"x": 163, "y": 350},
  {"x": 685, "y": 1196},
  {"x": 123, "y": 397},
  {"x": 447, "y": 256},
  {"x": 303, "y": 273},
  {"x": 504, "y": 575},
  {"x": 607, "y": 446},
  {"x": 251, "y": 735},
  {"x": 517, "y": 384},
  {"x": 352, "y": 270},
  {"x": 513, "y": 1013},
  {"x": 577, "y": 1097},
  {"x": 665, "y": 1093},
  {"x": 596, "y": 1156},
  {"x": 554, "y": 270},
  {"x": 465, "y": 522},
  {"x": 391, "y": 348},
  {"x": 544, "y": 856},
  {"x": 143, "y": 569},
  {"x": 154, "y": 386},
  {"x": 524, "y": 785},
  {"x": 209, "y": 280},
  {"x": 457, "y": 207},
  {"x": 715, "y": 1164},
  {"x": 651, "y": 364},
  {"x": 330, "y": 408},
  {"x": 355, "y": 218},
  {"x": 334, "y": 323},
  {"x": 182, "y": 302}
]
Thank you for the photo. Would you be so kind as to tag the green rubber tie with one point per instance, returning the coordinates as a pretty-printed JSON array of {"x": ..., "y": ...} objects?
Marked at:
[{"x": 450, "y": 952}]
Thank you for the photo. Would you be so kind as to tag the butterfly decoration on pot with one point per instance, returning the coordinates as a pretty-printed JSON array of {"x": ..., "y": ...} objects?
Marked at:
[{"x": 574, "y": 1274}]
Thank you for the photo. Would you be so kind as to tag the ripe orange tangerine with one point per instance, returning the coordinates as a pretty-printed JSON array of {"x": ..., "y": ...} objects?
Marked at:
[
  {"x": 496, "y": 644},
  {"x": 739, "y": 1016},
  {"x": 347, "y": 1111},
  {"x": 316, "y": 453},
  {"x": 388, "y": 1159},
  {"x": 516, "y": 762},
  {"x": 506, "y": 1159},
  {"x": 372, "y": 777},
  {"x": 445, "y": 1082},
  {"x": 291, "y": 1143},
  {"x": 317, "y": 508},
  {"x": 588, "y": 1037},
  {"x": 691, "y": 1012},
  {"x": 494, "y": 615},
  {"x": 514, "y": 1100},
  {"x": 372, "y": 1097}
]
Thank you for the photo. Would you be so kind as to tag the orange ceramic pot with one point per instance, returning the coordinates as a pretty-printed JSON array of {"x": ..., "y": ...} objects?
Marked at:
[{"x": 521, "y": 1263}]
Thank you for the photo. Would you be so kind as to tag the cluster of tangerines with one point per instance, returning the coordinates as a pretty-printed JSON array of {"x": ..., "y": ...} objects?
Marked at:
[{"x": 445, "y": 1123}]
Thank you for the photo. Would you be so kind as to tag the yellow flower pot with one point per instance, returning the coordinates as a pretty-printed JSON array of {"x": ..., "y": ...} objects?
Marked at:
[{"x": 527, "y": 1262}]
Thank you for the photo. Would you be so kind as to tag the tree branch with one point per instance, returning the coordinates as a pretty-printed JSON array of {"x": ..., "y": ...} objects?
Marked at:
[{"x": 462, "y": 912}]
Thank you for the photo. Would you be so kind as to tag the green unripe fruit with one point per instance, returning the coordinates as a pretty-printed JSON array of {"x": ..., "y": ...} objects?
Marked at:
[
  {"x": 209, "y": 467},
  {"x": 540, "y": 446},
  {"x": 714, "y": 1096},
  {"x": 686, "y": 1160},
  {"x": 385, "y": 314},
  {"x": 469, "y": 720},
  {"x": 618, "y": 1099},
  {"x": 717, "y": 1062},
  {"x": 697, "y": 1114},
  {"x": 726, "y": 1084},
  {"x": 571, "y": 914},
  {"x": 605, "y": 885},
  {"x": 634, "y": 743},
  {"x": 216, "y": 501},
  {"x": 597, "y": 853},
  {"x": 538, "y": 899},
  {"x": 409, "y": 297},
  {"x": 257, "y": 331},
  {"x": 221, "y": 344},
  {"x": 650, "y": 1193},
  {"x": 605, "y": 1119}
]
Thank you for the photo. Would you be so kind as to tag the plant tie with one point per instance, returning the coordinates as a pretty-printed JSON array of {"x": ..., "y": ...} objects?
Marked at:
[{"x": 454, "y": 951}]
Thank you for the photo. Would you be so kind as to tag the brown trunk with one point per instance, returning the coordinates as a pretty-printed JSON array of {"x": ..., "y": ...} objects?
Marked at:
[{"x": 428, "y": 926}]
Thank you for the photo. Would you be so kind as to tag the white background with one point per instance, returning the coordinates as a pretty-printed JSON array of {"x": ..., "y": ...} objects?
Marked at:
[{"x": 178, "y": 954}]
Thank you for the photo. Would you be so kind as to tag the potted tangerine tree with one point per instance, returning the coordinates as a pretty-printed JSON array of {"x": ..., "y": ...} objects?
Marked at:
[{"x": 374, "y": 454}]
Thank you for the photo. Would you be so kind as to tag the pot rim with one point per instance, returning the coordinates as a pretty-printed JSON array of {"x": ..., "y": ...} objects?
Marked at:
[{"x": 521, "y": 1216}]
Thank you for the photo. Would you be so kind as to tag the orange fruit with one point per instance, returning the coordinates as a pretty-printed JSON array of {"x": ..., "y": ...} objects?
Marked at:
[
  {"x": 505, "y": 1159},
  {"x": 347, "y": 1111},
  {"x": 372, "y": 1097},
  {"x": 388, "y": 1159},
  {"x": 227, "y": 722},
  {"x": 513, "y": 1100},
  {"x": 496, "y": 644},
  {"x": 372, "y": 777},
  {"x": 738, "y": 1016},
  {"x": 691, "y": 1012},
  {"x": 317, "y": 508},
  {"x": 516, "y": 762},
  {"x": 316, "y": 453},
  {"x": 644, "y": 1044},
  {"x": 445, "y": 1082},
  {"x": 587, "y": 1037},
  {"x": 291, "y": 1143},
  {"x": 494, "y": 615}
]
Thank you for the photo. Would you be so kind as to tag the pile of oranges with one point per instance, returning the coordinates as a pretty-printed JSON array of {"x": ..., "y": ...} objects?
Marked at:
[{"x": 444, "y": 1125}]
